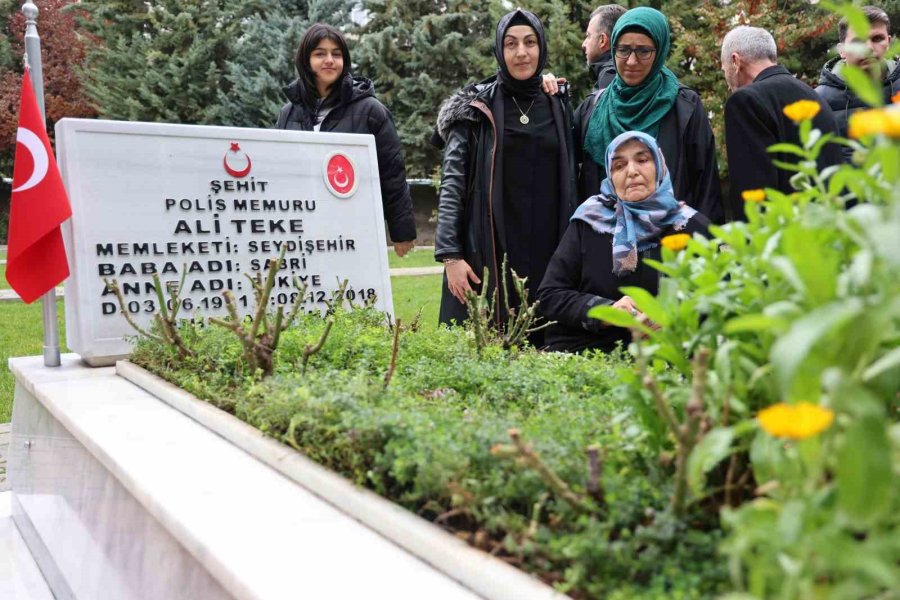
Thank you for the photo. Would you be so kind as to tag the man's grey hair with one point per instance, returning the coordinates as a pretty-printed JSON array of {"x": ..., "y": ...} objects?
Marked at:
[
  {"x": 753, "y": 44},
  {"x": 609, "y": 14}
]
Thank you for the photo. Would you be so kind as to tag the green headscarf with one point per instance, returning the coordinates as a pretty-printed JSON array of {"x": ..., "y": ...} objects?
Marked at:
[{"x": 641, "y": 107}]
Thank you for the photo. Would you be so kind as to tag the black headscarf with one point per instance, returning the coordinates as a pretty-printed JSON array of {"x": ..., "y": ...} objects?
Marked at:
[{"x": 528, "y": 87}]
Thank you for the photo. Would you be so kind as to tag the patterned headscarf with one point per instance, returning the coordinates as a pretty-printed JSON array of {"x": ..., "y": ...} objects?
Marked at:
[{"x": 635, "y": 226}]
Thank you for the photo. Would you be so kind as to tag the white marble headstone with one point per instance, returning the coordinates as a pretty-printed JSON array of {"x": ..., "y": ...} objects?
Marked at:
[{"x": 218, "y": 202}]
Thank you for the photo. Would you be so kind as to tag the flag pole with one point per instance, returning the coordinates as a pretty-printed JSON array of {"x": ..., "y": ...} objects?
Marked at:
[{"x": 33, "y": 61}]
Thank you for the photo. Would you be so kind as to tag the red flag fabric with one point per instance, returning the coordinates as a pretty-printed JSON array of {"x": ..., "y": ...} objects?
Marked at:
[{"x": 36, "y": 257}]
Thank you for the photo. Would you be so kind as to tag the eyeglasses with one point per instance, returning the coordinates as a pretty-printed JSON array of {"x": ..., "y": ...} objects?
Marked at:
[{"x": 642, "y": 53}]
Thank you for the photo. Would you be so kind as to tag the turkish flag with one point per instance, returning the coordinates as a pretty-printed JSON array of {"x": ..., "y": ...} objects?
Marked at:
[{"x": 36, "y": 257}]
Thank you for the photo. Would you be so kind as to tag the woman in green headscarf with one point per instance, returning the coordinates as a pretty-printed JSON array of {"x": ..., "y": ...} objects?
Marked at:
[{"x": 646, "y": 96}]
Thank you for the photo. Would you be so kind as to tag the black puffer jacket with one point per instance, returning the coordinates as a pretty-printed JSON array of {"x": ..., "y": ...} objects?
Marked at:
[
  {"x": 358, "y": 111},
  {"x": 841, "y": 99},
  {"x": 470, "y": 196}
]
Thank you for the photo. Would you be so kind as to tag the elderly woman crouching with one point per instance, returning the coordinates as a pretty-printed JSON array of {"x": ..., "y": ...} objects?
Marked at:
[{"x": 607, "y": 239}]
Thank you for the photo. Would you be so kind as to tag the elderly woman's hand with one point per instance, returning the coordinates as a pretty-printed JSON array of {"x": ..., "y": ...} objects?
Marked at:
[
  {"x": 627, "y": 304},
  {"x": 458, "y": 275}
]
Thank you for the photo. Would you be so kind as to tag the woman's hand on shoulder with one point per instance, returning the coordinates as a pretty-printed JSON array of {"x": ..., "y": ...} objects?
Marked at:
[
  {"x": 459, "y": 273},
  {"x": 551, "y": 84}
]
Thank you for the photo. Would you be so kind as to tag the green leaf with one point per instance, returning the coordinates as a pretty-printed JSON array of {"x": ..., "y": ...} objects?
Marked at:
[
  {"x": 647, "y": 304},
  {"x": 614, "y": 316},
  {"x": 752, "y": 323},
  {"x": 791, "y": 351},
  {"x": 661, "y": 267},
  {"x": 787, "y": 149},
  {"x": 863, "y": 86},
  {"x": 864, "y": 476},
  {"x": 787, "y": 166},
  {"x": 889, "y": 361},
  {"x": 712, "y": 449},
  {"x": 769, "y": 461}
]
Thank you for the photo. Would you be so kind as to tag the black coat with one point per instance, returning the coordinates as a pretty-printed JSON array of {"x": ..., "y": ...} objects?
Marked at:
[
  {"x": 843, "y": 102},
  {"x": 470, "y": 202},
  {"x": 688, "y": 144},
  {"x": 358, "y": 111},
  {"x": 580, "y": 277},
  {"x": 754, "y": 120},
  {"x": 604, "y": 71}
]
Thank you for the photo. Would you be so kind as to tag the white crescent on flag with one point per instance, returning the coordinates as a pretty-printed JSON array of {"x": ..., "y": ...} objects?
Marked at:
[{"x": 30, "y": 140}]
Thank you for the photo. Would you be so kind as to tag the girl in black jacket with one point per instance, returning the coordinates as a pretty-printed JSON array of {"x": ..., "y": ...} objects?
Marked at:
[
  {"x": 326, "y": 97},
  {"x": 508, "y": 183}
]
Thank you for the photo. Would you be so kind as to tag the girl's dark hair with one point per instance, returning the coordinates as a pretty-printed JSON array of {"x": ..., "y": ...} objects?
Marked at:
[{"x": 315, "y": 34}]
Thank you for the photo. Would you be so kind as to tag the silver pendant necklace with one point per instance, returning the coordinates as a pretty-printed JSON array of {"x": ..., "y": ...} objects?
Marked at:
[{"x": 524, "y": 118}]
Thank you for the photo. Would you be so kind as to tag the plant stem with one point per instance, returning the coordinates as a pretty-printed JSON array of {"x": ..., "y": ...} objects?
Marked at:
[{"x": 393, "y": 364}]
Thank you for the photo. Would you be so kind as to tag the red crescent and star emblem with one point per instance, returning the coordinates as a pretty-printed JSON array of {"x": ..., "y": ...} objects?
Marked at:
[
  {"x": 340, "y": 175},
  {"x": 236, "y": 173}
]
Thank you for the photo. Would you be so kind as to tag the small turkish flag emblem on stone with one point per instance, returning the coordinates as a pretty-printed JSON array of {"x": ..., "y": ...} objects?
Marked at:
[{"x": 340, "y": 175}]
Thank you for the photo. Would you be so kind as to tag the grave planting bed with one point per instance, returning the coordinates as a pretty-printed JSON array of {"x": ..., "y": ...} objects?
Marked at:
[{"x": 535, "y": 458}]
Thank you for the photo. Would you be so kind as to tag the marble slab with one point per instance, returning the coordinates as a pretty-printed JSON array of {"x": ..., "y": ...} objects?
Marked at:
[
  {"x": 20, "y": 578},
  {"x": 489, "y": 577},
  {"x": 128, "y": 498}
]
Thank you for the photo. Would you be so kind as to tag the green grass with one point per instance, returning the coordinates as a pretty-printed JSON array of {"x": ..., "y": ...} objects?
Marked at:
[
  {"x": 414, "y": 293},
  {"x": 416, "y": 258},
  {"x": 3, "y": 284},
  {"x": 22, "y": 333}
]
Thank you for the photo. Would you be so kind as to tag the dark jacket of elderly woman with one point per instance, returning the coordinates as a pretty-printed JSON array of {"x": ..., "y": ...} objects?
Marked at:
[
  {"x": 495, "y": 199},
  {"x": 659, "y": 105},
  {"x": 604, "y": 249}
]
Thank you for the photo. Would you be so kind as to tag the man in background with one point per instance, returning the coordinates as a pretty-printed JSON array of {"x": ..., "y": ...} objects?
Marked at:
[
  {"x": 596, "y": 44},
  {"x": 866, "y": 53},
  {"x": 598, "y": 52},
  {"x": 754, "y": 117}
]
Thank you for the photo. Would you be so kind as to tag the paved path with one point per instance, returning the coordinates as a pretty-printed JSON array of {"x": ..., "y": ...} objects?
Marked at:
[
  {"x": 4, "y": 447},
  {"x": 11, "y": 296},
  {"x": 416, "y": 271}
]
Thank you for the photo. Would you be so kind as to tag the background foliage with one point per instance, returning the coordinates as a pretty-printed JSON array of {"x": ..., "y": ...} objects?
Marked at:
[{"x": 224, "y": 61}]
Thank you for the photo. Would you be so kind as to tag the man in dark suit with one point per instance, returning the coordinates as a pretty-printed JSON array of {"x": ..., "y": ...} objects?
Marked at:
[{"x": 754, "y": 120}]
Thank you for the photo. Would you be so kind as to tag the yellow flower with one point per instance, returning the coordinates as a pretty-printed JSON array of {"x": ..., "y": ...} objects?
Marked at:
[
  {"x": 753, "y": 195},
  {"x": 796, "y": 422},
  {"x": 877, "y": 120},
  {"x": 801, "y": 110},
  {"x": 676, "y": 242}
]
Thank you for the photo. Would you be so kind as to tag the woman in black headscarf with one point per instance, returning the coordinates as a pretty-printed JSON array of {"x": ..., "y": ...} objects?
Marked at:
[
  {"x": 508, "y": 183},
  {"x": 327, "y": 97}
]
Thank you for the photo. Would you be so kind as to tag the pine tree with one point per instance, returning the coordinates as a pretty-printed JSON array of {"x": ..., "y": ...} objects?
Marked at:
[
  {"x": 220, "y": 62},
  {"x": 418, "y": 52},
  {"x": 163, "y": 60}
]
